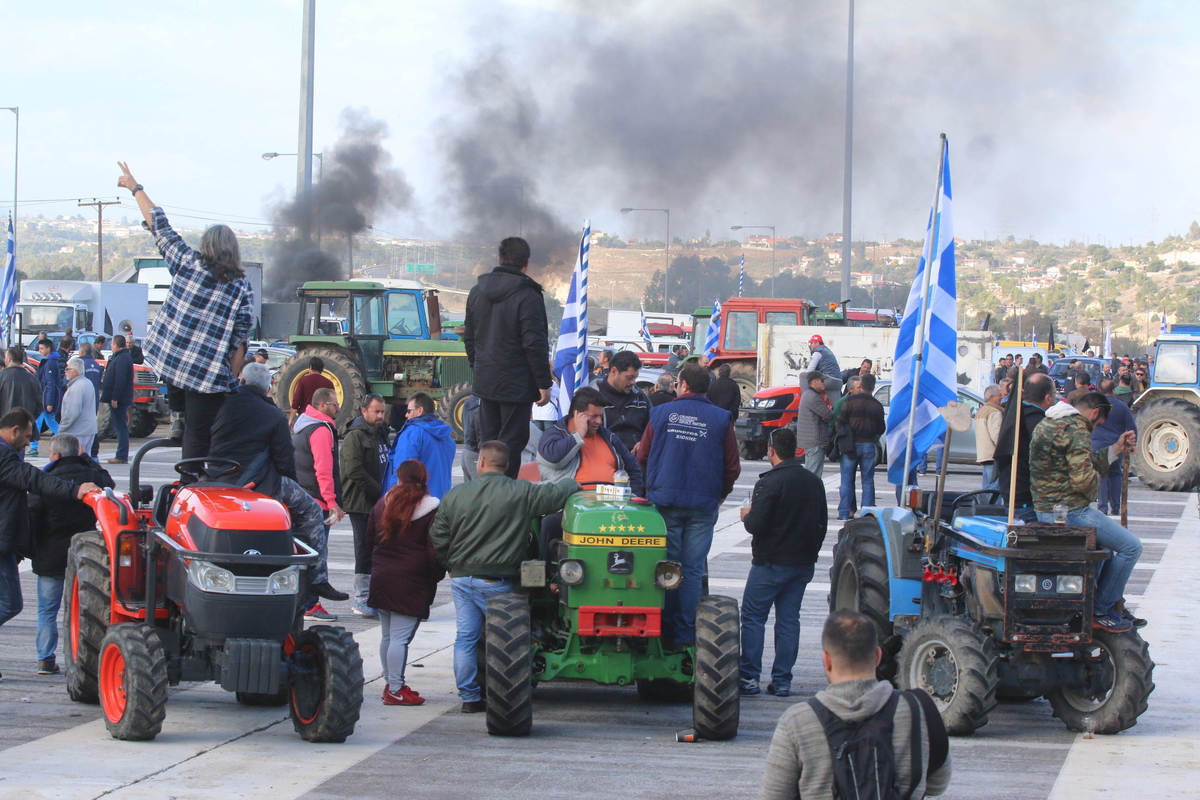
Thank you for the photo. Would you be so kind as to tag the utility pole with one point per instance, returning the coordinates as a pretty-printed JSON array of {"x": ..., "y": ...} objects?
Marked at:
[
  {"x": 304, "y": 154},
  {"x": 100, "y": 204},
  {"x": 848, "y": 171}
]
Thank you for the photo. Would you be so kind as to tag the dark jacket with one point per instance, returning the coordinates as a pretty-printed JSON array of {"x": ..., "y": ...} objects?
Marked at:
[
  {"x": 1031, "y": 415},
  {"x": 864, "y": 415},
  {"x": 55, "y": 521},
  {"x": 404, "y": 569},
  {"x": 250, "y": 430},
  {"x": 559, "y": 455},
  {"x": 19, "y": 388},
  {"x": 50, "y": 378},
  {"x": 812, "y": 420},
  {"x": 1120, "y": 420},
  {"x": 660, "y": 396},
  {"x": 788, "y": 518},
  {"x": 17, "y": 480},
  {"x": 94, "y": 373},
  {"x": 628, "y": 414},
  {"x": 364, "y": 456},
  {"x": 482, "y": 527},
  {"x": 117, "y": 383},
  {"x": 507, "y": 337},
  {"x": 690, "y": 454},
  {"x": 725, "y": 393}
]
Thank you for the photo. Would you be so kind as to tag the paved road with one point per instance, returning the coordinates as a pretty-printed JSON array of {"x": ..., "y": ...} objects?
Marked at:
[{"x": 586, "y": 738}]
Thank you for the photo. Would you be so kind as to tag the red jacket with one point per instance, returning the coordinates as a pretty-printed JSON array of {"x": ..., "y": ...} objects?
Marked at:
[{"x": 308, "y": 383}]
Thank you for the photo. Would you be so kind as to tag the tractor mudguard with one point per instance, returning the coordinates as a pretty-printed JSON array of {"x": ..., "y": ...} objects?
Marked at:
[{"x": 897, "y": 526}]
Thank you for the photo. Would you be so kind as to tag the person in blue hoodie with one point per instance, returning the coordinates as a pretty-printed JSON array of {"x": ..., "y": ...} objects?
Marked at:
[
  {"x": 48, "y": 376},
  {"x": 427, "y": 439}
]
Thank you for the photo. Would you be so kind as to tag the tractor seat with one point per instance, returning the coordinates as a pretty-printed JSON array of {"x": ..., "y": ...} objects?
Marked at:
[{"x": 162, "y": 503}]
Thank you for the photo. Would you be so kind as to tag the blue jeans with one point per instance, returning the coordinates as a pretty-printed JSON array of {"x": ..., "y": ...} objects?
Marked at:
[
  {"x": 689, "y": 537},
  {"x": 1109, "y": 501},
  {"x": 120, "y": 418},
  {"x": 470, "y": 607},
  {"x": 783, "y": 587},
  {"x": 308, "y": 525},
  {"x": 1111, "y": 575},
  {"x": 863, "y": 460},
  {"x": 49, "y": 594},
  {"x": 990, "y": 481},
  {"x": 11, "y": 601}
]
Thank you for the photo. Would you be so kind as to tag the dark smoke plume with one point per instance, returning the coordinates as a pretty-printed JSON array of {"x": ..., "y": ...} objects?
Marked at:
[{"x": 357, "y": 182}]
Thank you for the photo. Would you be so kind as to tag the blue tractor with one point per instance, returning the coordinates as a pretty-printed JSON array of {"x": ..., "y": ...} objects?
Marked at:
[
  {"x": 972, "y": 610},
  {"x": 1167, "y": 458}
]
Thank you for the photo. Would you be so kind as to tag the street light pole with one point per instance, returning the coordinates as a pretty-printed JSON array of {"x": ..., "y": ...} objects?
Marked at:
[
  {"x": 16, "y": 160},
  {"x": 771, "y": 228},
  {"x": 304, "y": 162},
  {"x": 667, "y": 271},
  {"x": 848, "y": 172}
]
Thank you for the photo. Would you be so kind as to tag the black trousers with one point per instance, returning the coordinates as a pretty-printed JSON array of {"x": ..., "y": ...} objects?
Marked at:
[
  {"x": 362, "y": 548},
  {"x": 509, "y": 423},
  {"x": 199, "y": 411}
]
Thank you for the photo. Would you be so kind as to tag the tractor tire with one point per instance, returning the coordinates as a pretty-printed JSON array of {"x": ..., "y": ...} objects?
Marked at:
[
  {"x": 1122, "y": 665},
  {"x": 133, "y": 681},
  {"x": 104, "y": 424},
  {"x": 745, "y": 375},
  {"x": 753, "y": 451},
  {"x": 509, "y": 672},
  {"x": 342, "y": 370},
  {"x": 859, "y": 581},
  {"x": 326, "y": 688},
  {"x": 1167, "y": 457},
  {"x": 142, "y": 421},
  {"x": 257, "y": 699},
  {"x": 663, "y": 690},
  {"x": 953, "y": 660},
  {"x": 450, "y": 409},
  {"x": 86, "y": 609},
  {"x": 716, "y": 701}
]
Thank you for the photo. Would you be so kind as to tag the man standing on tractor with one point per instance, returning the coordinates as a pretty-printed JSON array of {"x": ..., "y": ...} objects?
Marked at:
[
  {"x": 508, "y": 348},
  {"x": 427, "y": 439},
  {"x": 690, "y": 455},
  {"x": 626, "y": 407},
  {"x": 824, "y": 361},
  {"x": 364, "y": 460},
  {"x": 1065, "y": 471},
  {"x": 306, "y": 385},
  {"x": 787, "y": 522},
  {"x": 481, "y": 534},
  {"x": 1037, "y": 395}
]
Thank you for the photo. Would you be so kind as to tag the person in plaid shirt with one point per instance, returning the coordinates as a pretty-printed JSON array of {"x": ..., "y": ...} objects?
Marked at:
[{"x": 198, "y": 340}]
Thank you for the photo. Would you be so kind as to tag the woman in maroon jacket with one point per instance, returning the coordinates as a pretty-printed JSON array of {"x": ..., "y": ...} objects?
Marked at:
[{"x": 404, "y": 573}]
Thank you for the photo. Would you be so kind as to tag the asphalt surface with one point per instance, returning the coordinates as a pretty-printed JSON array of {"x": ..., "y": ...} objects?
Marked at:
[{"x": 586, "y": 738}]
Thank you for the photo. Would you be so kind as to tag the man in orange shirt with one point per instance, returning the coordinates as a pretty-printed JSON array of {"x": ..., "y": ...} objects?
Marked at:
[
  {"x": 309, "y": 382},
  {"x": 578, "y": 446}
]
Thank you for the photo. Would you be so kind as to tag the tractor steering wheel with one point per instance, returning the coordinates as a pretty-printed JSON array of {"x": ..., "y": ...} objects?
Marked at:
[
  {"x": 195, "y": 468},
  {"x": 994, "y": 496}
]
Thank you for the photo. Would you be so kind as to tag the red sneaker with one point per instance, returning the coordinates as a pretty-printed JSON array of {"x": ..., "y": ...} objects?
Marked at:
[
  {"x": 386, "y": 691},
  {"x": 403, "y": 696}
]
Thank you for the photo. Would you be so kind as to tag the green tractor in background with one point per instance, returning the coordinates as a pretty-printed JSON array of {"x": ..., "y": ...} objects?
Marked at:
[
  {"x": 593, "y": 611},
  {"x": 377, "y": 336}
]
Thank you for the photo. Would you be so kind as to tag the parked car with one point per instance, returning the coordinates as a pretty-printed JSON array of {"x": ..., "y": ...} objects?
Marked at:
[
  {"x": 1059, "y": 369},
  {"x": 962, "y": 445}
]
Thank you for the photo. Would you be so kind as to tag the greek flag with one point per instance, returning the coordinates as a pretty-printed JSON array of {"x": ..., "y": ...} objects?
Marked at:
[
  {"x": 1162, "y": 327},
  {"x": 1035, "y": 337},
  {"x": 1107, "y": 340},
  {"x": 645, "y": 332},
  {"x": 933, "y": 372},
  {"x": 741, "y": 274},
  {"x": 712, "y": 336},
  {"x": 570, "y": 355},
  {"x": 8, "y": 285}
]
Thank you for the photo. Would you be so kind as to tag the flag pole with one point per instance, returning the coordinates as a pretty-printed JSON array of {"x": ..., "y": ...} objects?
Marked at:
[{"x": 919, "y": 342}]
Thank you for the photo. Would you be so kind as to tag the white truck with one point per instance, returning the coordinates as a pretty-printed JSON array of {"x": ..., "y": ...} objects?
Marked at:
[{"x": 53, "y": 307}]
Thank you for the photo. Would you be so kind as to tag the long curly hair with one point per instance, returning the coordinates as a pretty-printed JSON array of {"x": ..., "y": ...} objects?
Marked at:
[
  {"x": 402, "y": 499},
  {"x": 220, "y": 253}
]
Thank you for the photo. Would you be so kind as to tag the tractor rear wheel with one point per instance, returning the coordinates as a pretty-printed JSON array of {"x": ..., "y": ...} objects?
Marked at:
[
  {"x": 745, "y": 375},
  {"x": 450, "y": 408},
  {"x": 1167, "y": 457},
  {"x": 133, "y": 681},
  {"x": 326, "y": 688},
  {"x": 858, "y": 581},
  {"x": 753, "y": 451},
  {"x": 1118, "y": 676},
  {"x": 104, "y": 423},
  {"x": 953, "y": 660},
  {"x": 716, "y": 702},
  {"x": 340, "y": 368},
  {"x": 86, "y": 606},
  {"x": 142, "y": 421},
  {"x": 509, "y": 672}
]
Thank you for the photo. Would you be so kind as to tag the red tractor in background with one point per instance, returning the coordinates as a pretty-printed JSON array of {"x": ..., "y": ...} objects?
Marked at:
[{"x": 201, "y": 581}]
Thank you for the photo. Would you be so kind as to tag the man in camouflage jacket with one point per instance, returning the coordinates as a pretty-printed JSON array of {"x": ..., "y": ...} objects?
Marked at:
[{"x": 1064, "y": 470}]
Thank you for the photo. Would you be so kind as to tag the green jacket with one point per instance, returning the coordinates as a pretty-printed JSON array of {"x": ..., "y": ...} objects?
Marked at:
[
  {"x": 482, "y": 526},
  {"x": 1062, "y": 467},
  {"x": 364, "y": 457}
]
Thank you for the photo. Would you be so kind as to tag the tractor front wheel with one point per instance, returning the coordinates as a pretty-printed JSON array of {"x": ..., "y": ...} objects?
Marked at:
[
  {"x": 745, "y": 375},
  {"x": 716, "y": 702},
  {"x": 450, "y": 408},
  {"x": 509, "y": 659},
  {"x": 86, "y": 612},
  {"x": 142, "y": 421},
  {"x": 133, "y": 681},
  {"x": 1167, "y": 457},
  {"x": 326, "y": 688},
  {"x": 858, "y": 581},
  {"x": 956, "y": 663},
  {"x": 1118, "y": 677}
]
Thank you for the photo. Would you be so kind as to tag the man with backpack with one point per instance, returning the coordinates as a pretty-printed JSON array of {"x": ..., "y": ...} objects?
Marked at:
[{"x": 858, "y": 737}]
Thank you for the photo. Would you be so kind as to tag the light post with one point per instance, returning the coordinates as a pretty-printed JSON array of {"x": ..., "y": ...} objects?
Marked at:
[
  {"x": 667, "y": 272},
  {"x": 763, "y": 227},
  {"x": 16, "y": 158}
]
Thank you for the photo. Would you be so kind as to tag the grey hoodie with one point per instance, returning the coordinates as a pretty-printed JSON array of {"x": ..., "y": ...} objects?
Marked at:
[{"x": 799, "y": 763}]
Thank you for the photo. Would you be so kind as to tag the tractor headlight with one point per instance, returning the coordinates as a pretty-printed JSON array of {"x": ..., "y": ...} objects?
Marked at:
[
  {"x": 668, "y": 574},
  {"x": 286, "y": 581},
  {"x": 1070, "y": 584},
  {"x": 210, "y": 578},
  {"x": 571, "y": 571},
  {"x": 1026, "y": 584}
]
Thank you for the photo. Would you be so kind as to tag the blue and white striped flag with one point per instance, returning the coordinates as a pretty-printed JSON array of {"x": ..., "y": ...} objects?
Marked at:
[
  {"x": 938, "y": 378},
  {"x": 1035, "y": 337},
  {"x": 713, "y": 334},
  {"x": 570, "y": 355},
  {"x": 1162, "y": 326},
  {"x": 1107, "y": 340},
  {"x": 8, "y": 285},
  {"x": 645, "y": 332},
  {"x": 741, "y": 274}
]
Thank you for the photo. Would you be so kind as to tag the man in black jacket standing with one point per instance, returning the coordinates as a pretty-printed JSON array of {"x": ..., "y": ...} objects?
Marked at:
[
  {"x": 19, "y": 388},
  {"x": 628, "y": 411},
  {"x": 1037, "y": 395},
  {"x": 786, "y": 520},
  {"x": 725, "y": 393},
  {"x": 507, "y": 341},
  {"x": 116, "y": 389}
]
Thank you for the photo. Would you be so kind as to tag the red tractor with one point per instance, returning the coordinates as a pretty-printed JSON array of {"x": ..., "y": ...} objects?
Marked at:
[{"x": 225, "y": 578}]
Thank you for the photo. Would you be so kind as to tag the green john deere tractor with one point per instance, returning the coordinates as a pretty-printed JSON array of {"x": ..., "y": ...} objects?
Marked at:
[
  {"x": 378, "y": 336},
  {"x": 593, "y": 611}
]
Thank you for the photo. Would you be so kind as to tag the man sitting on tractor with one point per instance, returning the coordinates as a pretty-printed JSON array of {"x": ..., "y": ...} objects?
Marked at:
[
  {"x": 579, "y": 446},
  {"x": 1064, "y": 471}
]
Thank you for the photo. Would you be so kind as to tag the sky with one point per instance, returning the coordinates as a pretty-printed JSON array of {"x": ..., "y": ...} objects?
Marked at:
[{"x": 1071, "y": 120}]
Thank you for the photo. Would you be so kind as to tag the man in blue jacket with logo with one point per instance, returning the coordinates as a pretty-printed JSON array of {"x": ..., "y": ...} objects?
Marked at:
[
  {"x": 427, "y": 439},
  {"x": 690, "y": 456}
]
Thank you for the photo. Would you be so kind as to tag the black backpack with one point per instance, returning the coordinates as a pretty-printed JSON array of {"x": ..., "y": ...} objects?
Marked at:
[{"x": 864, "y": 760}]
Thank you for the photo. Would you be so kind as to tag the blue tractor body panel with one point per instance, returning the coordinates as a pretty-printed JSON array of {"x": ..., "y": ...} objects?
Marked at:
[
  {"x": 991, "y": 531},
  {"x": 895, "y": 525}
]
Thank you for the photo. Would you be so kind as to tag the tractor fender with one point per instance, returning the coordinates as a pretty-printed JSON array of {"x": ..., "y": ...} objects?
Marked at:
[
  {"x": 1186, "y": 393},
  {"x": 897, "y": 526}
]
